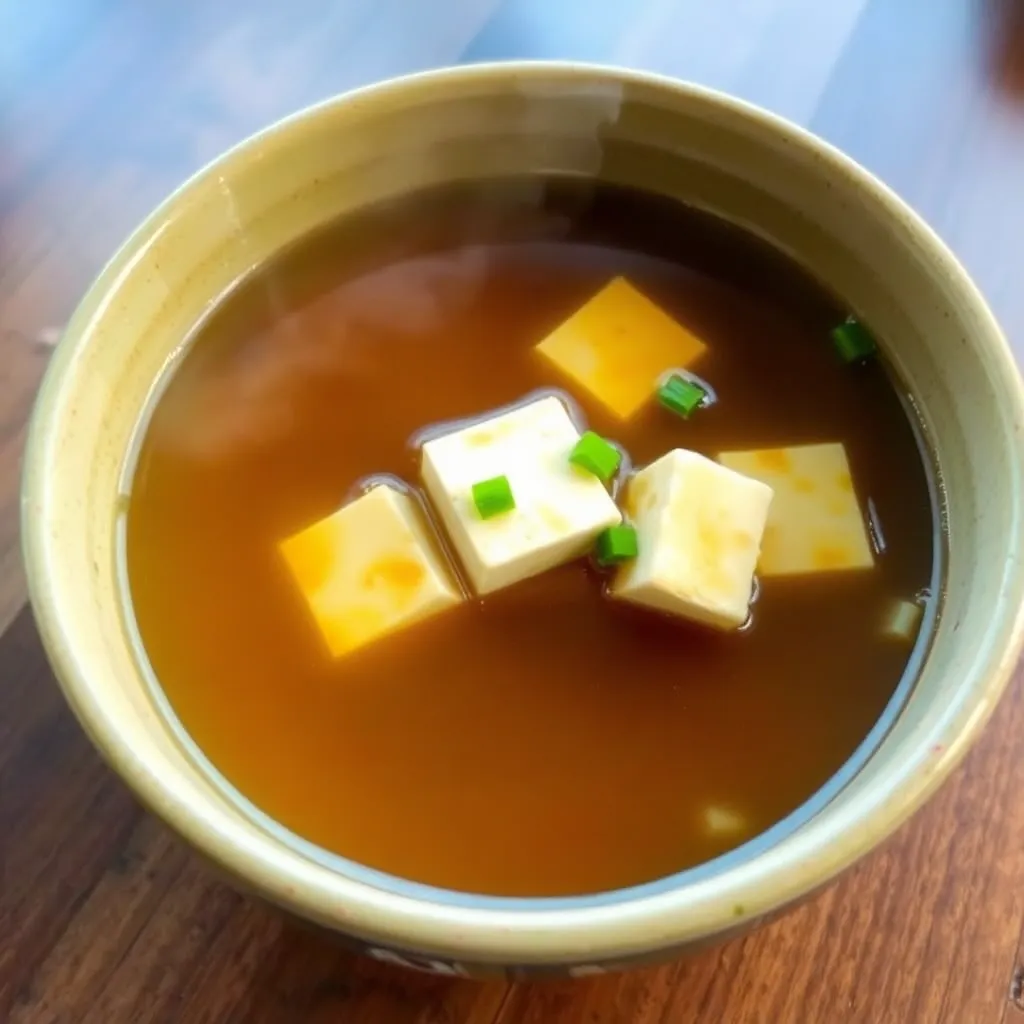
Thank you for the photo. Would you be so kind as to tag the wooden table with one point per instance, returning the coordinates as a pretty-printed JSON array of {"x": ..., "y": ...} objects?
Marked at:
[{"x": 105, "y": 105}]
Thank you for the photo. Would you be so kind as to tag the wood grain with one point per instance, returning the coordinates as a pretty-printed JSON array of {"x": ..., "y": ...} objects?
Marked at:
[{"x": 105, "y": 105}]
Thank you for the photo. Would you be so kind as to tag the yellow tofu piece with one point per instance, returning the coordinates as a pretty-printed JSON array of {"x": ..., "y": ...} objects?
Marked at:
[
  {"x": 698, "y": 530},
  {"x": 370, "y": 569},
  {"x": 815, "y": 523},
  {"x": 618, "y": 345}
]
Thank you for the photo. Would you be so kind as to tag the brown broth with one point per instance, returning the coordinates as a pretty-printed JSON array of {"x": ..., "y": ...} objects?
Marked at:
[{"x": 543, "y": 741}]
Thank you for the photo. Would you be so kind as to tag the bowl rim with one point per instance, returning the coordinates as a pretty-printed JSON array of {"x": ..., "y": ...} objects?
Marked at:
[{"x": 805, "y": 862}]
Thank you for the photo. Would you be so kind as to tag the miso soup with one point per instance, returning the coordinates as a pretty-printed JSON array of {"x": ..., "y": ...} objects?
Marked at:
[{"x": 535, "y": 731}]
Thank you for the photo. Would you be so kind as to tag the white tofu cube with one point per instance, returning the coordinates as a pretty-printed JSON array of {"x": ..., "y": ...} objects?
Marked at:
[
  {"x": 371, "y": 568},
  {"x": 902, "y": 620},
  {"x": 815, "y": 523},
  {"x": 699, "y": 529},
  {"x": 559, "y": 509},
  {"x": 724, "y": 821},
  {"x": 618, "y": 345}
]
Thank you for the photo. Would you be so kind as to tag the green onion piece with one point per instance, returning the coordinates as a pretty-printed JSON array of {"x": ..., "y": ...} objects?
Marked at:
[
  {"x": 595, "y": 455},
  {"x": 853, "y": 342},
  {"x": 681, "y": 396},
  {"x": 492, "y": 497},
  {"x": 616, "y": 544}
]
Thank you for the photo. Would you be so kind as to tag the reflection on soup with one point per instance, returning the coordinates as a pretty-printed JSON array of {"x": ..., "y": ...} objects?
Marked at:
[{"x": 530, "y": 537}]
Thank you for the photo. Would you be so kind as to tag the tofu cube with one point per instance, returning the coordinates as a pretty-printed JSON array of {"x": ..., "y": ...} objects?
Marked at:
[
  {"x": 724, "y": 821},
  {"x": 699, "y": 528},
  {"x": 902, "y": 620},
  {"x": 559, "y": 509},
  {"x": 618, "y": 346},
  {"x": 371, "y": 568},
  {"x": 815, "y": 523}
]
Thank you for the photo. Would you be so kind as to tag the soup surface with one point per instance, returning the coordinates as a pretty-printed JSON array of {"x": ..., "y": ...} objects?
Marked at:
[{"x": 544, "y": 740}]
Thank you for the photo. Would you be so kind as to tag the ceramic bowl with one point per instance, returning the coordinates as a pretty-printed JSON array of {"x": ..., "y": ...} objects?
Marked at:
[{"x": 702, "y": 147}]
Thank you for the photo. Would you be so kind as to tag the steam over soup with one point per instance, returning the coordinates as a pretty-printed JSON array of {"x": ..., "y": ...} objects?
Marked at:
[{"x": 530, "y": 537}]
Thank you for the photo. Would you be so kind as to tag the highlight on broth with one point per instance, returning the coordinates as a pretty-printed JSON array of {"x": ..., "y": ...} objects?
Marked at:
[{"x": 565, "y": 581}]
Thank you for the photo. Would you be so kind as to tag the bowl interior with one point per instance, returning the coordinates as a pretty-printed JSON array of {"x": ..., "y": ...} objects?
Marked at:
[{"x": 473, "y": 123}]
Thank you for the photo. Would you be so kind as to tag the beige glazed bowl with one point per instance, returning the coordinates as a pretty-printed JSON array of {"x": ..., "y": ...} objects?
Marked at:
[{"x": 687, "y": 142}]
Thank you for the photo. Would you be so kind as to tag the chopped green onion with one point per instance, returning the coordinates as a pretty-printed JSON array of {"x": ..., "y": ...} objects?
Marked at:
[
  {"x": 616, "y": 544},
  {"x": 681, "y": 396},
  {"x": 853, "y": 342},
  {"x": 595, "y": 455},
  {"x": 492, "y": 497}
]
